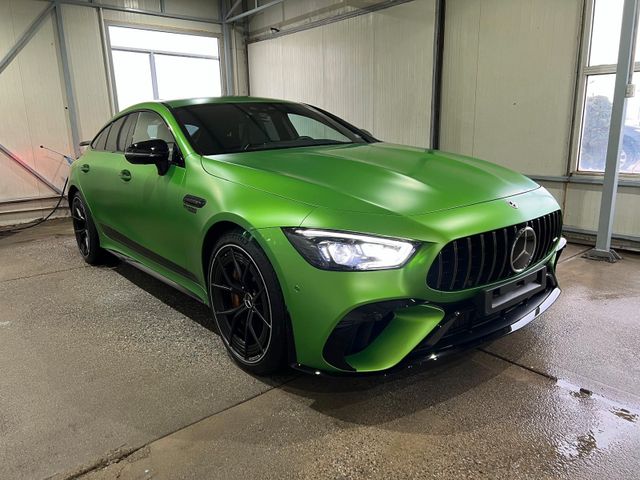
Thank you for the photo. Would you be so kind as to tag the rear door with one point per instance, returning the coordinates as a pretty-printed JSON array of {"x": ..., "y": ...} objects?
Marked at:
[{"x": 100, "y": 173}]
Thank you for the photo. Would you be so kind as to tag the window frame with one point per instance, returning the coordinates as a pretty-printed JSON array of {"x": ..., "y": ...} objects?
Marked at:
[
  {"x": 584, "y": 72},
  {"x": 137, "y": 111},
  {"x": 140, "y": 26}
]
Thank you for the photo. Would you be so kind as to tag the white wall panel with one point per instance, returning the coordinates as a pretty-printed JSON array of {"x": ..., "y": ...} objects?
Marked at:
[
  {"x": 150, "y": 20},
  {"x": 348, "y": 70},
  {"x": 193, "y": 8},
  {"x": 16, "y": 182},
  {"x": 459, "y": 76},
  {"x": 45, "y": 105},
  {"x": 32, "y": 93},
  {"x": 582, "y": 208},
  {"x": 509, "y": 76},
  {"x": 403, "y": 70},
  {"x": 303, "y": 66},
  {"x": 375, "y": 70},
  {"x": 265, "y": 69},
  {"x": 508, "y": 81},
  {"x": 87, "y": 69}
]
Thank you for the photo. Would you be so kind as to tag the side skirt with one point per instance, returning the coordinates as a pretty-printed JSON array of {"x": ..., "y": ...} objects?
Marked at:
[
  {"x": 120, "y": 242},
  {"x": 158, "y": 276}
]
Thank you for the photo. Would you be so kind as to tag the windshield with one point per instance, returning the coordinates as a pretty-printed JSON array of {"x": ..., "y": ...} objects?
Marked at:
[{"x": 215, "y": 128}]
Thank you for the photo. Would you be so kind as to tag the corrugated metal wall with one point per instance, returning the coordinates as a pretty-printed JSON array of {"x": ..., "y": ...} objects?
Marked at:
[
  {"x": 375, "y": 70},
  {"x": 32, "y": 92}
]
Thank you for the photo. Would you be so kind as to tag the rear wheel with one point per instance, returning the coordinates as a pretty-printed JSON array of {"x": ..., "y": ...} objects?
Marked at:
[
  {"x": 247, "y": 304},
  {"x": 85, "y": 232}
]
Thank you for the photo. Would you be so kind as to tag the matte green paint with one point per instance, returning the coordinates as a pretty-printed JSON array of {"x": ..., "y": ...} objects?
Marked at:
[
  {"x": 383, "y": 189},
  {"x": 396, "y": 341}
]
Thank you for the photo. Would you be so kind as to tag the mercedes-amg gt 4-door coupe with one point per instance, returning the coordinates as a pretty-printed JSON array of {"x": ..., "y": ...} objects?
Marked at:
[{"x": 315, "y": 244}]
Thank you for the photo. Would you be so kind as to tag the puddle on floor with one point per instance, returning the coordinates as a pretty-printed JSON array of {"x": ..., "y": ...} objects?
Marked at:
[{"x": 611, "y": 424}]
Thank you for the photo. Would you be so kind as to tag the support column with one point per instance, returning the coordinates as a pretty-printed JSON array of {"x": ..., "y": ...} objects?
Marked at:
[
  {"x": 623, "y": 90},
  {"x": 228, "y": 55},
  {"x": 72, "y": 112}
]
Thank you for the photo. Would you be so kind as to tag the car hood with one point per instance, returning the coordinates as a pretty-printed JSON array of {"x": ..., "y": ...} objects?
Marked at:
[{"x": 371, "y": 178}]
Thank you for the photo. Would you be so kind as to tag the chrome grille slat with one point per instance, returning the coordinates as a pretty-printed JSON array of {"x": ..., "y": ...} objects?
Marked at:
[{"x": 455, "y": 267}]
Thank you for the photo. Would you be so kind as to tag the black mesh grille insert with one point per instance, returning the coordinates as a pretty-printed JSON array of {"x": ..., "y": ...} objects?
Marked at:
[{"x": 483, "y": 258}]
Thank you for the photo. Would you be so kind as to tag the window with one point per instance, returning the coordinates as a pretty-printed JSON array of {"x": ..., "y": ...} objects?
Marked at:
[
  {"x": 238, "y": 127},
  {"x": 151, "y": 126},
  {"x": 112, "y": 139},
  {"x": 153, "y": 65},
  {"x": 309, "y": 127},
  {"x": 596, "y": 100},
  {"x": 124, "y": 139},
  {"x": 101, "y": 139}
]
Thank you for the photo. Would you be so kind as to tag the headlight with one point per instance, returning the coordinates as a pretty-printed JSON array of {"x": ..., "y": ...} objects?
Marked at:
[{"x": 332, "y": 250}]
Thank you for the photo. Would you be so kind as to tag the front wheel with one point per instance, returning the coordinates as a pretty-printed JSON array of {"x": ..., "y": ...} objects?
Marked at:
[{"x": 247, "y": 304}]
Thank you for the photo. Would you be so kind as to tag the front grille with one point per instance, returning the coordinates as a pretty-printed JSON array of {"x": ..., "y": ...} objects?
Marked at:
[{"x": 483, "y": 258}]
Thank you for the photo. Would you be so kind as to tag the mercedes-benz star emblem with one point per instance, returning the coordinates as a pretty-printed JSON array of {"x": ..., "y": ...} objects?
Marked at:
[
  {"x": 522, "y": 250},
  {"x": 512, "y": 204}
]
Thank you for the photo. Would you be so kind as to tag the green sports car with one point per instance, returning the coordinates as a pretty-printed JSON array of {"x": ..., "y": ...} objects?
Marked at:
[{"x": 313, "y": 243}]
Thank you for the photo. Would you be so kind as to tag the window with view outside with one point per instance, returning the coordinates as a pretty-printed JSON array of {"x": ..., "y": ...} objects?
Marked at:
[
  {"x": 154, "y": 65},
  {"x": 598, "y": 99}
]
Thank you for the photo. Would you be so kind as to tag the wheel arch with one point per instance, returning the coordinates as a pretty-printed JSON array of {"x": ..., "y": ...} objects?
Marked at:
[
  {"x": 218, "y": 227},
  {"x": 71, "y": 193}
]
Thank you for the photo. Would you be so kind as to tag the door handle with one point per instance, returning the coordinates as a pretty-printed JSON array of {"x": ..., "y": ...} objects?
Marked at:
[
  {"x": 84, "y": 168},
  {"x": 125, "y": 175}
]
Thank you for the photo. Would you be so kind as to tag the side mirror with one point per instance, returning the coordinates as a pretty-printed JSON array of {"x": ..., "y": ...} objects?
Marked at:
[{"x": 150, "y": 152}]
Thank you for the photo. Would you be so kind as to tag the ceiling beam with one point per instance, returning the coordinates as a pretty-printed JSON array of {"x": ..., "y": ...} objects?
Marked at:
[
  {"x": 232, "y": 9},
  {"x": 253, "y": 11},
  {"x": 154, "y": 13}
]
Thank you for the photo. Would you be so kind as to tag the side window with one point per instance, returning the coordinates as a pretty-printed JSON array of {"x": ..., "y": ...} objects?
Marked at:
[
  {"x": 124, "y": 137},
  {"x": 151, "y": 126},
  {"x": 99, "y": 142},
  {"x": 112, "y": 139}
]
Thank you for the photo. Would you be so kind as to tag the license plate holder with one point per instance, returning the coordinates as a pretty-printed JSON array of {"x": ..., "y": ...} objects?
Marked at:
[{"x": 495, "y": 299}]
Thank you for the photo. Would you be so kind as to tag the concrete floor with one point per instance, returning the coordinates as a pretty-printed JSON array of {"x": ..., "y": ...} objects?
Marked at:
[{"x": 108, "y": 373}]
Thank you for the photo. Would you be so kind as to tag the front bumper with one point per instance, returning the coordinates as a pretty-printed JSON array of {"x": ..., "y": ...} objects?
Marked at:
[{"x": 397, "y": 311}]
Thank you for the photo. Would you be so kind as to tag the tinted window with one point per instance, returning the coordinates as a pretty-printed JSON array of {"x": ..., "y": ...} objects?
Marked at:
[
  {"x": 151, "y": 126},
  {"x": 124, "y": 138},
  {"x": 100, "y": 140},
  {"x": 226, "y": 127},
  {"x": 112, "y": 139}
]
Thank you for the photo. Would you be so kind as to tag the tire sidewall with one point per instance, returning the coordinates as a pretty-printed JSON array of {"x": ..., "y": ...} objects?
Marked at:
[
  {"x": 273, "y": 359},
  {"x": 95, "y": 252}
]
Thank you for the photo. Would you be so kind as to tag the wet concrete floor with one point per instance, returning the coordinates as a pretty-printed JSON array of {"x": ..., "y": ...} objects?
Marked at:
[{"x": 108, "y": 373}]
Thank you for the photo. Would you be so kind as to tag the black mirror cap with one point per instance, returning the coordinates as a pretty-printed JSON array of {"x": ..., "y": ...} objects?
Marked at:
[{"x": 149, "y": 152}]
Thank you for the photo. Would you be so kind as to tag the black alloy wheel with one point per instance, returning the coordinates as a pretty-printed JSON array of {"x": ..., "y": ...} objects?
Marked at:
[
  {"x": 247, "y": 304},
  {"x": 85, "y": 232},
  {"x": 80, "y": 225}
]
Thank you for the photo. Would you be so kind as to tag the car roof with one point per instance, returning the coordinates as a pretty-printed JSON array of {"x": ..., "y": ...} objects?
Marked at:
[{"x": 218, "y": 100}]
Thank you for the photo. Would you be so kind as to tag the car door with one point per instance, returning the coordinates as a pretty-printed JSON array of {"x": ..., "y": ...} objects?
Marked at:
[
  {"x": 156, "y": 200},
  {"x": 100, "y": 173}
]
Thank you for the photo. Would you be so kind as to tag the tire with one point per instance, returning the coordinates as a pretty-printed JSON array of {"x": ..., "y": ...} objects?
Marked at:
[
  {"x": 85, "y": 232},
  {"x": 247, "y": 304}
]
